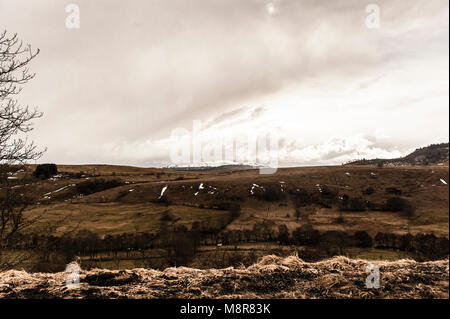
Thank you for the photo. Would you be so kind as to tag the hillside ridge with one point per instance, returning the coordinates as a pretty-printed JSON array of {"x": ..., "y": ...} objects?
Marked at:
[{"x": 434, "y": 154}]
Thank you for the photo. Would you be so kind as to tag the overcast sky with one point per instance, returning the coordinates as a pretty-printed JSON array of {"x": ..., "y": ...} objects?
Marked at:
[{"x": 312, "y": 72}]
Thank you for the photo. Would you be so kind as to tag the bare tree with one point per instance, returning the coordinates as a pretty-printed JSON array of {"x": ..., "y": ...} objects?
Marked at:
[
  {"x": 14, "y": 118},
  {"x": 15, "y": 123}
]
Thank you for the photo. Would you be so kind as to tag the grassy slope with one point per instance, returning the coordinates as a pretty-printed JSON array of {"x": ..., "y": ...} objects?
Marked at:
[{"x": 110, "y": 212}]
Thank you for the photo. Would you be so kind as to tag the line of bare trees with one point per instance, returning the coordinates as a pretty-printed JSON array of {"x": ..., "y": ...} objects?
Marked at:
[{"x": 16, "y": 121}]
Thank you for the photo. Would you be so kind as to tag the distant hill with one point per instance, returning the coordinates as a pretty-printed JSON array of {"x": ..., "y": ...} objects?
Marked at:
[
  {"x": 433, "y": 154},
  {"x": 212, "y": 167}
]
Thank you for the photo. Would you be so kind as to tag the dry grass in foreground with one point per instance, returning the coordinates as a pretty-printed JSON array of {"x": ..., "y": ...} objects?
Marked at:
[{"x": 271, "y": 277}]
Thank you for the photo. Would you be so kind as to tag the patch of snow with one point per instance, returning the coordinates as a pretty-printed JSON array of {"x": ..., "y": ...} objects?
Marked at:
[
  {"x": 55, "y": 178},
  {"x": 201, "y": 186},
  {"x": 253, "y": 187},
  {"x": 162, "y": 191},
  {"x": 443, "y": 182},
  {"x": 58, "y": 190}
]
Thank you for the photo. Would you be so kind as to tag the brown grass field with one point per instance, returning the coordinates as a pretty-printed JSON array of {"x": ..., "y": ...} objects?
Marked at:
[
  {"x": 132, "y": 207},
  {"x": 255, "y": 269}
]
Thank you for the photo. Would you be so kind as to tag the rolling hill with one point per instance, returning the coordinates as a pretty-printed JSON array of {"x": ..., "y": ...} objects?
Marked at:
[{"x": 435, "y": 154}]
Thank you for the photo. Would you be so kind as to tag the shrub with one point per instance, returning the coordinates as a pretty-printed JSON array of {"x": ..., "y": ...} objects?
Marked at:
[
  {"x": 306, "y": 235},
  {"x": 357, "y": 205},
  {"x": 298, "y": 213},
  {"x": 335, "y": 238},
  {"x": 164, "y": 200},
  {"x": 45, "y": 171},
  {"x": 283, "y": 234},
  {"x": 272, "y": 193},
  {"x": 362, "y": 239},
  {"x": 167, "y": 217},
  {"x": 398, "y": 204},
  {"x": 374, "y": 206},
  {"x": 122, "y": 194},
  {"x": 328, "y": 196},
  {"x": 303, "y": 197},
  {"x": 328, "y": 193},
  {"x": 410, "y": 209},
  {"x": 352, "y": 204},
  {"x": 393, "y": 191},
  {"x": 339, "y": 220},
  {"x": 368, "y": 191},
  {"x": 93, "y": 186},
  {"x": 223, "y": 205}
]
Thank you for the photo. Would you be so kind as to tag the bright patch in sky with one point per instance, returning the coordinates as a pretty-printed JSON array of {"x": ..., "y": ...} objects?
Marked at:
[{"x": 270, "y": 8}]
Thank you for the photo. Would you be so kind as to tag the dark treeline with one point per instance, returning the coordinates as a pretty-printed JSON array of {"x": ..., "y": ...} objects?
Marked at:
[
  {"x": 427, "y": 245},
  {"x": 180, "y": 243}
]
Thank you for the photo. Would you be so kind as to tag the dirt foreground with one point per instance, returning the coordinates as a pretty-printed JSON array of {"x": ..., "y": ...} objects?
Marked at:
[{"x": 272, "y": 277}]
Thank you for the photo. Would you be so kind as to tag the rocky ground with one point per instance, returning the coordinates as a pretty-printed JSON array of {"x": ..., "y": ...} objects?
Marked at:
[{"x": 272, "y": 277}]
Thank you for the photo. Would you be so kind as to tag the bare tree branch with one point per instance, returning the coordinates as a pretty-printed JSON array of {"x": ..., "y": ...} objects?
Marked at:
[{"x": 15, "y": 122}]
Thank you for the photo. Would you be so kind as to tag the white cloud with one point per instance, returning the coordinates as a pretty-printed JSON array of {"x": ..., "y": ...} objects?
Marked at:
[{"x": 113, "y": 90}]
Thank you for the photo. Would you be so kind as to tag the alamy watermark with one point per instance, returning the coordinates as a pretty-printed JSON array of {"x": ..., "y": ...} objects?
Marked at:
[
  {"x": 373, "y": 17},
  {"x": 73, "y": 17},
  {"x": 73, "y": 276},
  {"x": 191, "y": 148},
  {"x": 373, "y": 279}
]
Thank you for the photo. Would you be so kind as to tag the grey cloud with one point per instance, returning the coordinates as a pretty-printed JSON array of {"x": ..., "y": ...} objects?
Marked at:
[
  {"x": 136, "y": 70},
  {"x": 225, "y": 116}
]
